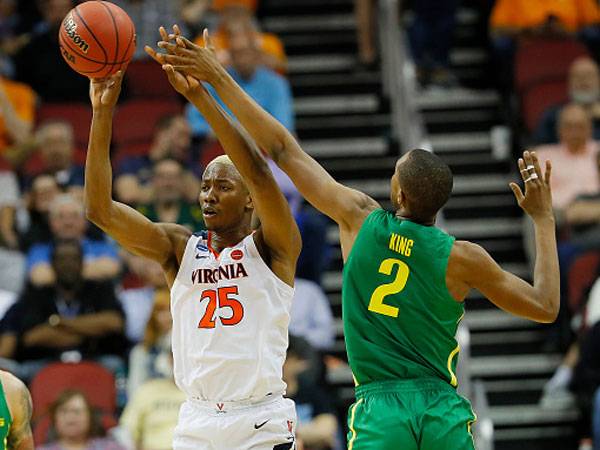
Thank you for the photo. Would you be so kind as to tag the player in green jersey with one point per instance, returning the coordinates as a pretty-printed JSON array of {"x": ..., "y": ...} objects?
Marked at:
[
  {"x": 15, "y": 414},
  {"x": 405, "y": 280}
]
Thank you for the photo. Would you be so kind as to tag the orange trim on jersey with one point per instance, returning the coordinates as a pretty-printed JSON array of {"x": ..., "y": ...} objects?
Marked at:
[{"x": 208, "y": 244}]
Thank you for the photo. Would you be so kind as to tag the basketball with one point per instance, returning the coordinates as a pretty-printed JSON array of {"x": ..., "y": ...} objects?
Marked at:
[{"x": 97, "y": 39}]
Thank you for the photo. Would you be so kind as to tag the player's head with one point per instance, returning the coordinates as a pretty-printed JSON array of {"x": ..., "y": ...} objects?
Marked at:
[
  {"x": 67, "y": 262},
  {"x": 224, "y": 198},
  {"x": 421, "y": 185}
]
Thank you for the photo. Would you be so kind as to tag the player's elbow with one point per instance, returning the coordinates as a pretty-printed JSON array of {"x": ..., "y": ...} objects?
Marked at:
[
  {"x": 96, "y": 215},
  {"x": 549, "y": 313}
]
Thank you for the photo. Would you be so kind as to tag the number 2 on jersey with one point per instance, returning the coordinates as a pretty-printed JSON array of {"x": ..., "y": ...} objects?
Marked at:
[
  {"x": 376, "y": 304},
  {"x": 222, "y": 296}
]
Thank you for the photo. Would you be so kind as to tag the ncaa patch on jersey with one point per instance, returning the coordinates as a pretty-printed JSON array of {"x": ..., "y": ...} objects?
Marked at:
[{"x": 237, "y": 254}]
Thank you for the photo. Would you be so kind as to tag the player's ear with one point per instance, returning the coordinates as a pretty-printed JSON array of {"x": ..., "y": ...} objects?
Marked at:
[
  {"x": 249, "y": 203},
  {"x": 400, "y": 197}
]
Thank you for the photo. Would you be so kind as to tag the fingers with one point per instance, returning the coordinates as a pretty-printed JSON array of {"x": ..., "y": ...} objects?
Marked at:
[
  {"x": 192, "y": 82},
  {"x": 158, "y": 57},
  {"x": 517, "y": 191},
  {"x": 177, "y": 60},
  {"x": 548, "y": 173},
  {"x": 528, "y": 170},
  {"x": 208, "y": 43},
  {"x": 536, "y": 163},
  {"x": 163, "y": 34}
]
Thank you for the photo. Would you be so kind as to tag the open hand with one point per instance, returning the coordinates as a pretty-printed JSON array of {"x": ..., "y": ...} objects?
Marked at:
[
  {"x": 104, "y": 92},
  {"x": 537, "y": 200},
  {"x": 198, "y": 61}
]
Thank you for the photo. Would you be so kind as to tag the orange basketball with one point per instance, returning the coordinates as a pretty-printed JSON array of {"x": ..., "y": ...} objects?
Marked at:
[{"x": 97, "y": 39}]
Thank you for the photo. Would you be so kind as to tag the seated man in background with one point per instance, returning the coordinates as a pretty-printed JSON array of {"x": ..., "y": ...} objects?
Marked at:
[
  {"x": 172, "y": 139},
  {"x": 55, "y": 142},
  {"x": 584, "y": 90},
  {"x": 70, "y": 320},
  {"x": 67, "y": 221},
  {"x": 168, "y": 200},
  {"x": 151, "y": 414},
  {"x": 238, "y": 19},
  {"x": 269, "y": 89},
  {"x": 317, "y": 424}
]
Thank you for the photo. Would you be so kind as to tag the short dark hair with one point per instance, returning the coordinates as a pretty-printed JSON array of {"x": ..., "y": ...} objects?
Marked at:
[{"x": 426, "y": 181}]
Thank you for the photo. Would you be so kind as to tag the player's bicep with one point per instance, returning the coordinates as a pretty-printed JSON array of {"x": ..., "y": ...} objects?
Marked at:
[
  {"x": 136, "y": 233},
  {"x": 344, "y": 205},
  {"x": 20, "y": 436},
  {"x": 504, "y": 289}
]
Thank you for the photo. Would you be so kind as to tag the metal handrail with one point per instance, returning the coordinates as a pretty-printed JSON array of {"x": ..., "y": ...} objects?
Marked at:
[{"x": 399, "y": 79}]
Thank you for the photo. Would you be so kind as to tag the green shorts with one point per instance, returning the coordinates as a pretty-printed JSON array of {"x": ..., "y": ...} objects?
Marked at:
[{"x": 420, "y": 414}]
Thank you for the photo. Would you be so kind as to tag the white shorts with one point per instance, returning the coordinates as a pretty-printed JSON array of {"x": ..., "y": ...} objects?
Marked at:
[{"x": 268, "y": 425}]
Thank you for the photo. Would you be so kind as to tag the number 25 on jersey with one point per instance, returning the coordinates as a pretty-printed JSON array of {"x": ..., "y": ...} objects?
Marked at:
[
  {"x": 224, "y": 298},
  {"x": 376, "y": 304}
]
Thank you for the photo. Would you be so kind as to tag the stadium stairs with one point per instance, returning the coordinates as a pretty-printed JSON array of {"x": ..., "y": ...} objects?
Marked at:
[{"x": 343, "y": 121}]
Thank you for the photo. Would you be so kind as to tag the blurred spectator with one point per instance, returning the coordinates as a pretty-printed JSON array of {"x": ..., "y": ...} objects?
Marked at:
[
  {"x": 148, "y": 16},
  {"x": 56, "y": 144},
  {"x": 67, "y": 221},
  {"x": 11, "y": 260},
  {"x": 72, "y": 319},
  {"x": 157, "y": 341},
  {"x": 151, "y": 414},
  {"x": 221, "y": 5},
  {"x": 42, "y": 193},
  {"x": 75, "y": 425},
  {"x": 573, "y": 159},
  {"x": 267, "y": 88},
  {"x": 138, "y": 300},
  {"x": 514, "y": 19},
  {"x": 584, "y": 89},
  {"x": 236, "y": 20},
  {"x": 169, "y": 204},
  {"x": 172, "y": 139},
  {"x": 314, "y": 257},
  {"x": 17, "y": 111},
  {"x": 366, "y": 16},
  {"x": 311, "y": 316},
  {"x": 37, "y": 63},
  {"x": 317, "y": 423},
  {"x": 431, "y": 41}
]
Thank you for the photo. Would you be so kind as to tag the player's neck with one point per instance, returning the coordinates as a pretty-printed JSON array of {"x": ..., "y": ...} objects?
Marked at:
[
  {"x": 228, "y": 238},
  {"x": 405, "y": 215}
]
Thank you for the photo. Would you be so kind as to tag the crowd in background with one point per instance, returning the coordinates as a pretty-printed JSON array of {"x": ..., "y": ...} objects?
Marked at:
[{"x": 68, "y": 293}]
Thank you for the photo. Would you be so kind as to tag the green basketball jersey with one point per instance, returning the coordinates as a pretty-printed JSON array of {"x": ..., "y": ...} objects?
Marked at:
[
  {"x": 5, "y": 419},
  {"x": 400, "y": 320}
]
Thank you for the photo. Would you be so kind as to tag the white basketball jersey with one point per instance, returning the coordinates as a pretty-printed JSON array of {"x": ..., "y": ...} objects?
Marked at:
[{"x": 230, "y": 323}]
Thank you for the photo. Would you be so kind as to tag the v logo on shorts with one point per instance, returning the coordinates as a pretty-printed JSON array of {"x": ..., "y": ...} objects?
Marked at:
[{"x": 257, "y": 426}]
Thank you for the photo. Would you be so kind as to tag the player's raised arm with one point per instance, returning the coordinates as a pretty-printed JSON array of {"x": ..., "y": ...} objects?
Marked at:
[
  {"x": 278, "y": 227},
  {"x": 160, "y": 242},
  {"x": 476, "y": 267},
  {"x": 346, "y": 206}
]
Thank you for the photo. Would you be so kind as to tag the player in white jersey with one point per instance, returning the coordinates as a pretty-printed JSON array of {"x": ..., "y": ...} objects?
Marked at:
[{"x": 231, "y": 288}]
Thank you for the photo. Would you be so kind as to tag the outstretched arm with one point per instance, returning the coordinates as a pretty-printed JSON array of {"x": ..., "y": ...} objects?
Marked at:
[
  {"x": 477, "y": 268},
  {"x": 19, "y": 403},
  {"x": 346, "y": 206},
  {"x": 278, "y": 227},
  {"x": 163, "y": 243}
]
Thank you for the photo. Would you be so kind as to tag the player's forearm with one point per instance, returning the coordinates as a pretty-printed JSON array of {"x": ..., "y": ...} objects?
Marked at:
[
  {"x": 546, "y": 279},
  {"x": 98, "y": 172},
  {"x": 235, "y": 141},
  {"x": 267, "y": 132}
]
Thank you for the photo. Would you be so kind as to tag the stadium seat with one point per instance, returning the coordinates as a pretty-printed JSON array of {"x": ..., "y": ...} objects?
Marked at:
[
  {"x": 541, "y": 59},
  {"x": 540, "y": 96},
  {"x": 135, "y": 120},
  {"x": 94, "y": 380},
  {"x": 146, "y": 79},
  {"x": 582, "y": 274},
  {"x": 78, "y": 114}
]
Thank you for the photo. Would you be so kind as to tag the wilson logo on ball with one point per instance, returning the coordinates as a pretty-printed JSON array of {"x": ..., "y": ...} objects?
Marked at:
[{"x": 71, "y": 29}]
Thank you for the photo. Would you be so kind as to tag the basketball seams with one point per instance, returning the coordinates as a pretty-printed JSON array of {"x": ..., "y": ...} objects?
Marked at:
[
  {"x": 104, "y": 64},
  {"x": 89, "y": 29},
  {"x": 114, "y": 22}
]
